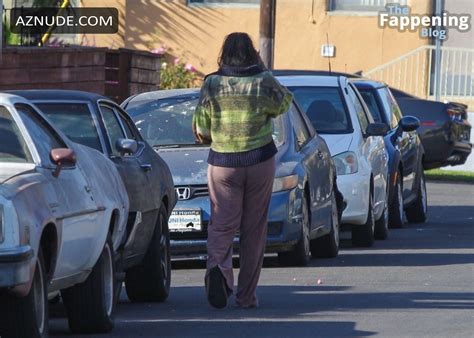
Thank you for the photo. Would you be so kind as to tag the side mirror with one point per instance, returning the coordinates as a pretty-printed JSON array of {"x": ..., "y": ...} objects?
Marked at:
[
  {"x": 62, "y": 157},
  {"x": 409, "y": 123},
  {"x": 377, "y": 129},
  {"x": 126, "y": 146}
]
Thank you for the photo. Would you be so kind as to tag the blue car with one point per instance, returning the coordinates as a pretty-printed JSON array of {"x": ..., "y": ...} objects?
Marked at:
[
  {"x": 303, "y": 217},
  {"x": 407, "y": 188}
]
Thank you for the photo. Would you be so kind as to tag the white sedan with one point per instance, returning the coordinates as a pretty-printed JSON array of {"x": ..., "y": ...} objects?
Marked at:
[
  {"x": 340, "y": 116},
  {"x": 63, "y": 214}
]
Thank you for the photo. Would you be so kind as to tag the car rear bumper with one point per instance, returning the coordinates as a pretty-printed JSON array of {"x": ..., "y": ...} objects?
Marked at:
[
  {"x": 15, "y": 266},
  {"x": 284, "y": 227}
]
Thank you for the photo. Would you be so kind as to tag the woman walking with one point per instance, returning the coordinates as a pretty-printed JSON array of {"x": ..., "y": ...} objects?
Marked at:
[{"x": 234, "y": 115}]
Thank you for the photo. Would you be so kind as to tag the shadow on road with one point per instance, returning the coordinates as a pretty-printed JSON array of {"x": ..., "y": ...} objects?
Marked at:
[{"x": 187, "y": 313}]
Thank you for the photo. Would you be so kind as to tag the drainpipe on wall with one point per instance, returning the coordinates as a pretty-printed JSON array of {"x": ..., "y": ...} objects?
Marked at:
[
  {"x": 267, "y": 31},
  {"x": 437, "y": 71}
]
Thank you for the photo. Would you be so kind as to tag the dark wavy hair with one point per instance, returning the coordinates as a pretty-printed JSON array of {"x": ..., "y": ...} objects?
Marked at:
[{"x": 238, "y": 51}]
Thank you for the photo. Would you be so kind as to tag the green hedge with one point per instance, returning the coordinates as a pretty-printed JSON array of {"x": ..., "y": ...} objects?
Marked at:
[{"x": 450, "y": 175}]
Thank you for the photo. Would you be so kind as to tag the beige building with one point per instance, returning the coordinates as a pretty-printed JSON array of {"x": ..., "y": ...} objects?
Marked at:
[{"x": 194, "y": 30}]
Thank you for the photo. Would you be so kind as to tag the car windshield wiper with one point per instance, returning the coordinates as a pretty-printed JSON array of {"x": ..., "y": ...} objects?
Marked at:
[
  {"x": 166, "y": 146},
  {"x": 180, "y": 145}
]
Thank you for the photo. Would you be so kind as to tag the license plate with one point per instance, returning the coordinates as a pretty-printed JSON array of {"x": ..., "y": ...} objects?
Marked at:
[{"x": 185, "y": 220}]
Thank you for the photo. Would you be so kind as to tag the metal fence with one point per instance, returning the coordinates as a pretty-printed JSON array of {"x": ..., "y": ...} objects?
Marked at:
[{"x": 414, "y": 74}]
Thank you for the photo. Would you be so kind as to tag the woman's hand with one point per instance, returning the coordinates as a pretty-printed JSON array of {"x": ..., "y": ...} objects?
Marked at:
[{"x": 200, "y": 139}]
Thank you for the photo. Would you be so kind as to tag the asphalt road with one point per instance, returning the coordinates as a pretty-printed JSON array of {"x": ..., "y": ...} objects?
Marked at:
[{"x": 418, "y": 283}]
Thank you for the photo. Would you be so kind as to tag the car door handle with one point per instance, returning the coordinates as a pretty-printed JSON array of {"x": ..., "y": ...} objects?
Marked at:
[{"x": 146, "y": 167}]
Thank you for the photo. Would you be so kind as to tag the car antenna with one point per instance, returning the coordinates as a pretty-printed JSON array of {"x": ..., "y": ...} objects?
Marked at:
[{"x": 329, "y": 59}]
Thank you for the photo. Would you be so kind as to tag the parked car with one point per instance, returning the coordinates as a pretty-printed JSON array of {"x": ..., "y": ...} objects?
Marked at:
[
  {"x": 407, "y": 188},
  {"x": 61, "y": 224},
  {"x": 445, "y": 131},
  {"x": 99, "y": 123},
  {"x": 339, "y": 114},
  {"x": 303, "y": 211}
]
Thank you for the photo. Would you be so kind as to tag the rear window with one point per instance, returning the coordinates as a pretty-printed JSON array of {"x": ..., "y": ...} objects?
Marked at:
[
  {"x": 325, "y": 108},
  {"x": 74, "y": 120},
  {"x": 12, "y": 145}
]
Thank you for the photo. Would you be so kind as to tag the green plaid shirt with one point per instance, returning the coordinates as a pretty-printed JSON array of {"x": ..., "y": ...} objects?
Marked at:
[{"x": 235, "y": 112}]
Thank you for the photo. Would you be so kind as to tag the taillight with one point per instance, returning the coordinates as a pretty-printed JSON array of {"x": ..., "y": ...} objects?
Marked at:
[
  {"x": 428, "y": 123},
  {"x": 453, "y": 114}
]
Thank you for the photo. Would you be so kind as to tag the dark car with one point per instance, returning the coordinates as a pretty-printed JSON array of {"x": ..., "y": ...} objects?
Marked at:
[
  {"x": 406, "y": 188},
  {"x": 99, "y": 123},
  {"x": 445, "y": 130},
  {"x": 303, "y": 212}
]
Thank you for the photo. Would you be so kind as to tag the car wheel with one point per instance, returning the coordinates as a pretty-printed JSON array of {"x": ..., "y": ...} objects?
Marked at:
[
  {"x": 395, "y": 213},
  {"x": 363, "y": 235},
  {"x": 90, "y": 305},
  {"x": 416, "y": 213},
  {"x": 151, "y": 281},
  {"x": 27, "y": 316},
  {"x": 381, "y": 226},
  {"x": 327, "y": 246},
  {"x": 300, "y": 255}
]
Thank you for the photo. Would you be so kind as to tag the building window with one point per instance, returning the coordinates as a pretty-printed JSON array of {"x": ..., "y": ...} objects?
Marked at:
[
  {"x": 362, "y": 5},
  {"x": 223, "y": 2}
]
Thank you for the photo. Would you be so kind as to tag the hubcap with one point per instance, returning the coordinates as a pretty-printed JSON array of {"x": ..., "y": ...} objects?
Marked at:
[
  {"x": 335, "y": 221},
  {"x": 400, "y": 200},
  {"x": 38, "y": 292},
  {"x": 306, "y": 228},
  {"x": 423, "y": 194},
  {"x": 164, "y": 252},
  {"x": 108, "y": 280}
]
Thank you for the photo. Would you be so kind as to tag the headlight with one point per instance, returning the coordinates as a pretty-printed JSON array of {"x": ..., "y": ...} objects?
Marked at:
[
  {"x": 2, "y": 224},
  {"x": 346, "y": 163},
  {"x": 285, "y": 183}
]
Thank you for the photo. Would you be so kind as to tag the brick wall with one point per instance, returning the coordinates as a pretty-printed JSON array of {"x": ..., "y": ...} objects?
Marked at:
[{"x": 113, "y": 73}]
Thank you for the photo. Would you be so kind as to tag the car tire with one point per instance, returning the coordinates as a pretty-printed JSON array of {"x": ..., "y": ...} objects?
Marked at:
[
  {"x": 363, "y": 235},
  {"x": 327, "y": 246},
  {"x": 90, "y": 305},
  {"x": 300, "y": 255},
  {"x": 395, "y": 212},
  {"x": 417, "y": 212},
  {"x": 27, "y": 316},
  {"x": 151, "y": 281},
  {"x": 381, "y": 226}
]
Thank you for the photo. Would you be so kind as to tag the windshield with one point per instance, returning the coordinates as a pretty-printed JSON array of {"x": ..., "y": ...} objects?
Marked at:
[
  {"x": 168, "y": 121},
  {"x": 74, "y": 120},
  {"x": 325, "y": 108},
  {"x": 12, "y": 145}
]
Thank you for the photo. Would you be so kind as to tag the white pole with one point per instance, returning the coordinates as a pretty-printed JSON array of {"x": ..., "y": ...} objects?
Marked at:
[{"x": 437, "y": 74}]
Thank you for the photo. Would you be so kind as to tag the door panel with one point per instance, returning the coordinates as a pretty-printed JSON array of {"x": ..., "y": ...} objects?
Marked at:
[{"x": 142, "y": 205}]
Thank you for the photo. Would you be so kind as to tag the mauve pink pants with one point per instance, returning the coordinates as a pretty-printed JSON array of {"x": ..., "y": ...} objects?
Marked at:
[{"x": 239, "y": 201}]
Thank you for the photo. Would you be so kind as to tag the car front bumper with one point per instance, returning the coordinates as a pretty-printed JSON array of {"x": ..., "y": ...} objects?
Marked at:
[
  {"x": 15, "y": 266},
  {"x": 284, "y": 226},
  {"x": 355, "y": 189}
]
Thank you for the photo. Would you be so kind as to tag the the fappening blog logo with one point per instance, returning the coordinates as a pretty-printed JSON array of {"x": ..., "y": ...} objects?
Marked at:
[{"x": 429, "y": 26}]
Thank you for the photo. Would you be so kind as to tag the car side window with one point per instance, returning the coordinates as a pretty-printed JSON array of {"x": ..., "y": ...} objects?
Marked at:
[
  {"x": 361, "y": 116},
  {"x": 13, "y": 147},
  {"x": 126, "y": 127},
  {"x": 387, "y": 107},
  {"x": 299, "y": 126},
  {"x": 43, "y": 136},
  {"x": 114, "y": 130},
  {"x": 396, "y": 111}
]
